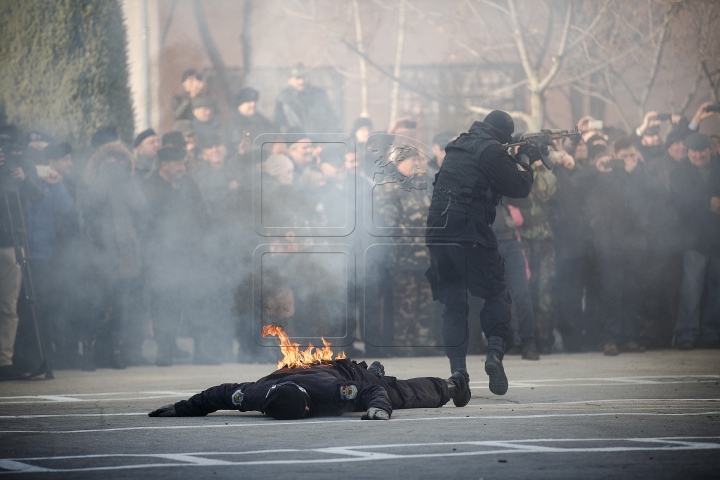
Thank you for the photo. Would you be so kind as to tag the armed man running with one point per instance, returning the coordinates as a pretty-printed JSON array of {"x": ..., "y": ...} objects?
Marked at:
[{"x": 476, "y": 173}]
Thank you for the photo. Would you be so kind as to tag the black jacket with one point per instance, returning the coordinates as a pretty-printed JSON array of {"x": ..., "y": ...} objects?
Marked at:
[
  {"x": 476, "y": 172},
  {"x": 30, "y": 190},
  {"x": 621, "y": 207},
  {"x": 322, "y": 383},
  {"x": 308, "y": 110},
  {"x": 692, "y": 190}
]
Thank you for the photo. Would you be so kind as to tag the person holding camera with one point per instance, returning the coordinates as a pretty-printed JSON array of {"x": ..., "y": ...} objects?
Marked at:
[
  {"x": 20, "y": 184},
  {"x": 476, "y": 173},
  {"x": 620, "y": 206}
]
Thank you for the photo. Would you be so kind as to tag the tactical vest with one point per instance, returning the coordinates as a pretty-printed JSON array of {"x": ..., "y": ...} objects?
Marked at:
[{"x": 463, "y": 202}]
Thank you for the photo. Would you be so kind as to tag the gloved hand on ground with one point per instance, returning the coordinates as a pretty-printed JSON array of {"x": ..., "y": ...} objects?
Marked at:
[
  {"x": 165, "y": 411},
  {"x": 375, "y": 414}
]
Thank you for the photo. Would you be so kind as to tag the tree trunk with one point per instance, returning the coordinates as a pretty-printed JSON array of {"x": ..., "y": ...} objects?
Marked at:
[{"x": 537, "y": 111}]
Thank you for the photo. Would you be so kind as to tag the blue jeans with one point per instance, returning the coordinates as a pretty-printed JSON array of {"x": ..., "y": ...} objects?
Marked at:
[{"x": 701, "y": 275}]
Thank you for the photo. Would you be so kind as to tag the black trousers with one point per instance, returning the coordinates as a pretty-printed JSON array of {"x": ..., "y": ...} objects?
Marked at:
[
  {"x": 517, "y": 282},
  {"x": 456, "y": 270},
  {"x": 622, "y": 274}
]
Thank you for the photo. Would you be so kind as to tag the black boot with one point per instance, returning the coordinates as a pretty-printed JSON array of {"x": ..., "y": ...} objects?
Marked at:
[
  {"x": 377, "y": 368},
  {"x": 494, "y": 367},
  {"x": 459, "y": 388},
  {"x": 529, "y": 350},
  {"x": 88, "y": 358}
]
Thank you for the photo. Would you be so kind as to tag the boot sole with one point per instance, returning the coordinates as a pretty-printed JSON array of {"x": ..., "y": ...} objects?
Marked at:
[{"x": 498, "y": 380}]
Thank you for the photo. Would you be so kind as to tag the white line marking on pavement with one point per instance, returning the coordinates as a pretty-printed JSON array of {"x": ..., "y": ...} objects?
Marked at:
[
  {"x": 275, "y": 423},
  {"x": 359, "y": 453}
]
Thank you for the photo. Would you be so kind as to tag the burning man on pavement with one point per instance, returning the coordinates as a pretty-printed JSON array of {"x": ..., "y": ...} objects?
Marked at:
[{"x": 313, "y": 384}]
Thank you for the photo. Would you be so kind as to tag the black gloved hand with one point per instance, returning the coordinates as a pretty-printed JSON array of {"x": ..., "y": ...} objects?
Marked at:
[
  {"x": 375, "y": 414},
  {"x": 530, "y": 150},
  {"x": 544, "y": 148},
  {"x": 166, "y": 411}
]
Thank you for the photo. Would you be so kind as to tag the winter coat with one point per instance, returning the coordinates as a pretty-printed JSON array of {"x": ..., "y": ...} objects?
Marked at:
[
  {"x": 113, "y": 209},
  {"x": 308, "y": 110},
  {"x": 42, "y": 216}
]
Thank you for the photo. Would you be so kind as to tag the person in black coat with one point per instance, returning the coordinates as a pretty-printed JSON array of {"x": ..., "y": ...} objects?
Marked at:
[
  {"x": 324, "y": 389},
  {"x": 696, "y": 187},
  {"x": 476, "y": 173},
  {"x": 620, "y": 203},
  {"x": 177, "y": 219}
]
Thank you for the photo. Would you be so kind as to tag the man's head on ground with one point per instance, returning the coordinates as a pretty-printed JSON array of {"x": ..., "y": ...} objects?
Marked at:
[
  {"x": 193, "y": 82},
  {"x": 699, "y": 149},
  {"x": 172, "y": 163},
  {"x": 287, "y": 402},
  {"x": 203, "y": 108},
  {"x": 213, "y": 150},
  {"x": 147, "y": 144},
  {"x": 245, "y": 100},
  {"x": 503, "y": 123},
  {"x": 298, "y": 77},
  {"x": 675, "y": 145},
  {"x": 439, "y": 142},
  {"x": 59, "y": 157},
  {"x": 624, "y": 149}
]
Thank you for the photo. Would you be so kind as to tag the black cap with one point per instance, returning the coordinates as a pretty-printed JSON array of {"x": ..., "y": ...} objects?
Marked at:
[
  {"x": 104, "y": 135},
  {"x": 203, "y": 101},
  {"x": 174, "y": 139},
  {"x": 172, "y": 154},
  {"x": 56, "y": 151},
  {"x": 191, "y": 72},
  {"x": 245, "y": 95},
  {"x": 698, "y": 142},
  {"x": 286, "y": 402},
  {"x": 211, "y": 140},
  {"x": 503, "y": 122},
  {"x": 673, "y": 137},
  {"x": 143, "y": 135}
]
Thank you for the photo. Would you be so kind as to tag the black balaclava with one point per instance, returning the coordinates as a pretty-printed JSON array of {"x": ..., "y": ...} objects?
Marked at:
[
  {"x": 285, "y": 402},
  {"x": 503, "y": 123}
]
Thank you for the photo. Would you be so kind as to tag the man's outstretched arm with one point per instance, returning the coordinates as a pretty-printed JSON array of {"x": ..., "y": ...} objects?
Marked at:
[{"x": 227, "y": 396}]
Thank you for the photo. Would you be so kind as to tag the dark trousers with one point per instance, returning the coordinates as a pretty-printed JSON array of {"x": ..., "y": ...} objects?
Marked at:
[
  {"x": 573, "y": 270},
  {"x": 621, "y": 277},
  {"x": 517, "y": 285},
  {"x": 456, "y": 270}
]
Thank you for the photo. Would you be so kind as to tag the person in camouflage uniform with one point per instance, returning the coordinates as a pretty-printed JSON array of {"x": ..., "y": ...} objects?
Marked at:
[
  {"x": 401, "y": 200},
  {"x": 537, "y": 238}
]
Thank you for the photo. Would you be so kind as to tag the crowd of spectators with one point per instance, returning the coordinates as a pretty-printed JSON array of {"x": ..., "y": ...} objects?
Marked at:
[{"x": 616, "y": 249}]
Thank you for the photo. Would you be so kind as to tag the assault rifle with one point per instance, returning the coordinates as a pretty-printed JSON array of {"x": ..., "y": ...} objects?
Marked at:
[{"x": 541, "y": 138}]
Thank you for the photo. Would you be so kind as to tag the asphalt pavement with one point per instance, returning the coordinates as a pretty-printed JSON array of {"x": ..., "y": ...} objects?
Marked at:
[{"x": 653, "y": 415}]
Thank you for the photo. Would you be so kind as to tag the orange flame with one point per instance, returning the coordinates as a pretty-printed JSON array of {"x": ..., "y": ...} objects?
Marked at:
[{"x": 293, "y": 357}]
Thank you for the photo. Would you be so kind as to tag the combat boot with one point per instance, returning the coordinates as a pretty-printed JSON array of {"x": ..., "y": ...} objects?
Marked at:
[
  {"x": 459, "y": 388},
  {"x": 494, "y": 367}
]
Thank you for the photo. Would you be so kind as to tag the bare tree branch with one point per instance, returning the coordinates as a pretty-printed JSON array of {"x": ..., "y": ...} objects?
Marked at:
[
  {"x": 363, "y": 67},
  {"x": 398, "y": 61},
  {"x": 558, "y": 59},
  {"x": 530, "y": 72},
  {"x": 656, "y": 62}
]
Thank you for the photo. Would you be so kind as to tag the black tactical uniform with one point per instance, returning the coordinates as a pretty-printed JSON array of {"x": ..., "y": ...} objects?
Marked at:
[
  {"x": 464, "y": 256},
  {"x": 342, "y": 386}
]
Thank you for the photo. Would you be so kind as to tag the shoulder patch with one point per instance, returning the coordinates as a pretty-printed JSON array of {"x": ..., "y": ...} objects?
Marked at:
[
  {"x": 348, "y": 392},
  {"x": 237, "y": 398}
]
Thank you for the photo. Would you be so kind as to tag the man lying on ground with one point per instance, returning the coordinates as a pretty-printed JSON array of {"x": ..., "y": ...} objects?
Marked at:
[{"x": 323, "y": 390}]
